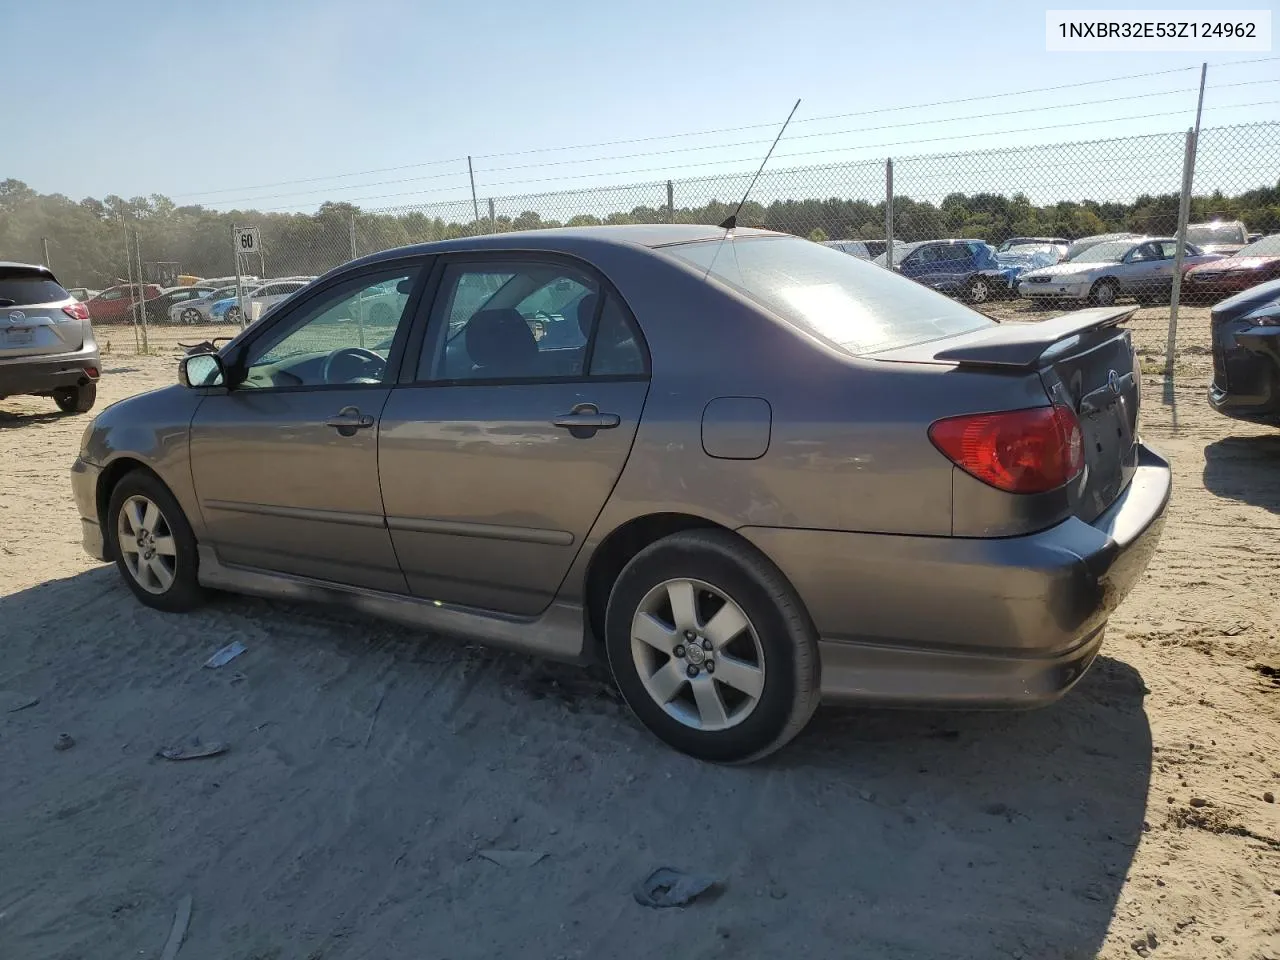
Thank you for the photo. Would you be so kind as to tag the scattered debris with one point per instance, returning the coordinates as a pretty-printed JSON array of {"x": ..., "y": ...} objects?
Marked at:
[
  {"x": 179, "y": 931},
  {"x": 1269, "y": 797},
  {"x": 667, "y": 887},
  {"x": 12, "y": 702},
  {"x": 64, "y": 742},
  {"x": 225, "y": 655},
  {"x": 512, "y": 858},
  {"x": 1236, "y": 629},
  {"x": 1198, "y": 802},
  {"x": 193, "y": 750},
  {"x": 1143, "y": 945},
  {"x": 1217, "y": 938}
]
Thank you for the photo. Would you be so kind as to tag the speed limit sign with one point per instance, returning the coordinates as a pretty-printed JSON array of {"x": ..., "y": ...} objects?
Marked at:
[{"x": 247, "y": 240}]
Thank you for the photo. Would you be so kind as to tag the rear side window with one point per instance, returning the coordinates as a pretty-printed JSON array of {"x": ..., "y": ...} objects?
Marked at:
[
  {"x": 20, "y": 291},
  {"x": 845, "y": 301}
]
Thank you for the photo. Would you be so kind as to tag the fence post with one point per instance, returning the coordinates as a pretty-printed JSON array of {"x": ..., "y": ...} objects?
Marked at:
[
  {"x": 142, "y": 289},
  {"x": 671, "y": 202},
  {"x": 128, "y": 271},
  {"x": 888, "y": 213},
  {"x": 235, "y": 255},
  {"x": 493, "y": 216},
  {"x": 1184, "y": 214},
  {"x": 353, "y": 236},
  {"x": 45, "y": 241}
]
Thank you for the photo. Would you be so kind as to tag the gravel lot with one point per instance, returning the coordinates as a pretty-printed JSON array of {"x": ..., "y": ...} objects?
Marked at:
[{"x": 368, "y": 766}]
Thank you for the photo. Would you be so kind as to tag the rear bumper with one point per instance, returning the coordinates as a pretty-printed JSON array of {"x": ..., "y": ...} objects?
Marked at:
[
  {"x": 952, "y": 621},
  {"x": 84, "y": 490},
  {"x": 44, "y": 374}
]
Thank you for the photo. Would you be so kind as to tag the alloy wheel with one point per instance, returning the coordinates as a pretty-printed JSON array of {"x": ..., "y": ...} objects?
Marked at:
[
  {"x": 697, "y": 654},
  {"x": 146, "y": 544}
]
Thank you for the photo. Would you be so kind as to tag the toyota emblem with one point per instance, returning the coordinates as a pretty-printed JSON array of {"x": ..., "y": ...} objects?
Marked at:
[{"x": 1113, "y": 381}]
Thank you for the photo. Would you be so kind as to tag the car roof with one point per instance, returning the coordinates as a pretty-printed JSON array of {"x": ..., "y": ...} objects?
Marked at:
[
  {"x": 14, "y": 269},
  {"x": 652, "y": 235}
]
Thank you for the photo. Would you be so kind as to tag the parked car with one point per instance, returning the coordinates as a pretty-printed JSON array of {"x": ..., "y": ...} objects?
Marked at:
[
  {"x": 160, "y": 307},
  {"x": 962, "y": 268},
  {"x": 46, "y": 340},
  {"x": 862, "y": 249},
  {"x": 1078, "y": 247},
  {"x": 83, "y": 293},
  {"x": 1246, "y": 355},
  {"x": 1247, "y": 267},
  {"x": 1219, "y": 236},
  {"x": 900, "y": 249},
  {"x": 1142, "y": 269},
  {"x": 264, "y": 297},
  {"x": 669, "y": 494},
  {"x": 116, "y": 304},
  {"x": 1028, "y": 245},
  {"x": 1062, "y": 242},
  {"x": 196, "y": 310},
  {"x": 1020, "y": 259}
]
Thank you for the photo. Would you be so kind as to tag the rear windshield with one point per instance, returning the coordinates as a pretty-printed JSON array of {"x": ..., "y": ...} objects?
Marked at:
[
  {"x": 848, "y": 302},
  {"x": 19, "y": 291},
  {"x": 1228, "y": 232}
]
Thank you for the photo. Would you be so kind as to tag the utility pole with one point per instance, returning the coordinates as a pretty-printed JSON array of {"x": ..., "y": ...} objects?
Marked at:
[
  {"x": 475, "y": 204},
  {"x": 888, "y": 213}
]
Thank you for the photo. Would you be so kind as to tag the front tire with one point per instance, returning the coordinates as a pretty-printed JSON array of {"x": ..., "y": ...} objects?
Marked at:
[
  {"x": 711, "y": 647},
  {"x": 191, "y": 316},
  {"x": 233, "y": 315},
  {"x": 1104, "y": 293},
  {"x": 153, "y": 544},
  {"x": 77, "y": 399},
  {"x": 977, "y": 290}
]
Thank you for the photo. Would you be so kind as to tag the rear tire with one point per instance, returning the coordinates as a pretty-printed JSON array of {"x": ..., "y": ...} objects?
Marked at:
[
  {"x": 153, "y": 544},
  {"x": 190, "y": 316},
  {"x": 78, "y": 399},
  {"x": 764, "y": 681},
  {"x": 233, "y": 315}
]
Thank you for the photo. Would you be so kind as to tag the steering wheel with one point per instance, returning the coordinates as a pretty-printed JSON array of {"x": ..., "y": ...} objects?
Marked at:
[{"x": 356, "y": 353}]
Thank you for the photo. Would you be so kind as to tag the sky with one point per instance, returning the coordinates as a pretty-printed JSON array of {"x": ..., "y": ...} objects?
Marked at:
[{"x": 232, "y": 104}]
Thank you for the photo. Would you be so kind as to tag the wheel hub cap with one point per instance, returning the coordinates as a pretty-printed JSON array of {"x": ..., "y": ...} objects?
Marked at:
[{"x": 695, "y": 654}]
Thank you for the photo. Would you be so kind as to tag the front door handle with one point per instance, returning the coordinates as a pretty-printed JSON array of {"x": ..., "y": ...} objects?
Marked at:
[
  {"x": 348, "y": 420},
  {"x": 585, "y": 419}
]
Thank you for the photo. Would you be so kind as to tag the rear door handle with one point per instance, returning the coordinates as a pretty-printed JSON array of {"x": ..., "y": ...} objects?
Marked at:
[{"x": 348, "y": 420}]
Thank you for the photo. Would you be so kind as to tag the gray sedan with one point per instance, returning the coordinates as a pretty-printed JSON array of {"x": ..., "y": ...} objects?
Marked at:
[
  {"x": 1141, "y": 268},
  {"x": 747, "y": 471}
]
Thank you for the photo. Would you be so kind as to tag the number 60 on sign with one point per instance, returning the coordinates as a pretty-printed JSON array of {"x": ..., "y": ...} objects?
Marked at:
[{"x": 247, "y": 240}]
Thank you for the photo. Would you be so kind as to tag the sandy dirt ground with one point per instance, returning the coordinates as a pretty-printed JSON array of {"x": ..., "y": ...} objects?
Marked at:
[{"x": 369, "y": 767}]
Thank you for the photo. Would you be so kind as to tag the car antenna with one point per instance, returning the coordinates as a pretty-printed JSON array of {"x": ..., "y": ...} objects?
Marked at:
[{"x": 732, "y": 220}]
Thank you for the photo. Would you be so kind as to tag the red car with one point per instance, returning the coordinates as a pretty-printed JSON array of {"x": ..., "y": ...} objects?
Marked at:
[
  {"x": 115, "y": 304},
  {"x": 1251, "y": 265}
]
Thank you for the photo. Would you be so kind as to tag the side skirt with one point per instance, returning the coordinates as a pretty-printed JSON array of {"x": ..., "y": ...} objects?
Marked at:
[{"x": 558, "y": 633}]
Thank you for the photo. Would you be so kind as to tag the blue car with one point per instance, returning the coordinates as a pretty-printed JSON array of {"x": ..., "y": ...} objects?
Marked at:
[
  {"x": 967, "y": 269},
  {"x": 1246, "y": 355}
]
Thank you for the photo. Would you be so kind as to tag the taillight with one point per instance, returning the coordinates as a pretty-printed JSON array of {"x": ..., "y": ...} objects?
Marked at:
[
  {"x": 1019, "y": 451},
  {"x": 76, "y": 311}
]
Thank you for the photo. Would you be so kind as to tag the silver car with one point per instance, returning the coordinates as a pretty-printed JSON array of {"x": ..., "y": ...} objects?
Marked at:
[
  {"x": 47, "y": 347},
  {"x": 763, "y": 473},
  {"x": 1142, "y": 269},
  {"x": 196, "y": 310}
]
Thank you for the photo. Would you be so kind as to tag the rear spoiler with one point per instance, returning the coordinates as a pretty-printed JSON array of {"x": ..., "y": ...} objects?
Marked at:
[{"x": 1020, "y": 345}]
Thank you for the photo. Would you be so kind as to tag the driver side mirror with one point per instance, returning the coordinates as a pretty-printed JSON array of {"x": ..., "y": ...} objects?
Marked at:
[{"x": 201, "y": 370}]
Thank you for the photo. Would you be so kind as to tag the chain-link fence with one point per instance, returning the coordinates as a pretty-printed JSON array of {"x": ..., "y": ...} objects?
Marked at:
[{"x": 989, "y": 225}]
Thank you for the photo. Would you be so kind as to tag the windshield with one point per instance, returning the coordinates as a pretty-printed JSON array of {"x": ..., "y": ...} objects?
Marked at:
[
  {"x": 1112, "y": 251},
  {"x": 900, "y": 250},
  {"x": 1229, "y": 232},
  {"x": 1266, "y": 247},
  {"x": 841, "y": 299}
]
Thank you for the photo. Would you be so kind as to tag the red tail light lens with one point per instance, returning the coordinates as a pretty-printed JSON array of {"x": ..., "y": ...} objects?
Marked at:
[
  {"x": 76, "y": 311},
  {"x": 1019, "y": 451}
]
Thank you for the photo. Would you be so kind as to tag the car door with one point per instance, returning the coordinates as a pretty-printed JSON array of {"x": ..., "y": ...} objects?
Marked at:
[
  {"x": 1140, "y": 272},
  {"x": 285, "y": 463},
  {"x": 499, "y": 449}
]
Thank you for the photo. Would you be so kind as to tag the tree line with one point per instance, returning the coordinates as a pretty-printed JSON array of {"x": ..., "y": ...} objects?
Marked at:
[{"x": 87, "y": 239}]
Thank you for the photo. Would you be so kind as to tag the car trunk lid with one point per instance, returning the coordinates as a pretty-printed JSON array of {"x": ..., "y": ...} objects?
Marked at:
[
  {"x": 1085, "y": 361},
  {"x": 32, "y": 319}
]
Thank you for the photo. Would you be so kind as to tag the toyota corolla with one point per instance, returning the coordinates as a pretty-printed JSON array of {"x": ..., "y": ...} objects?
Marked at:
[{"x": 752, "y": 474}]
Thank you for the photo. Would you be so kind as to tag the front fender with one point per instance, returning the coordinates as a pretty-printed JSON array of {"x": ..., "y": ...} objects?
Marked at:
[{"x": 152, "y": 429}]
